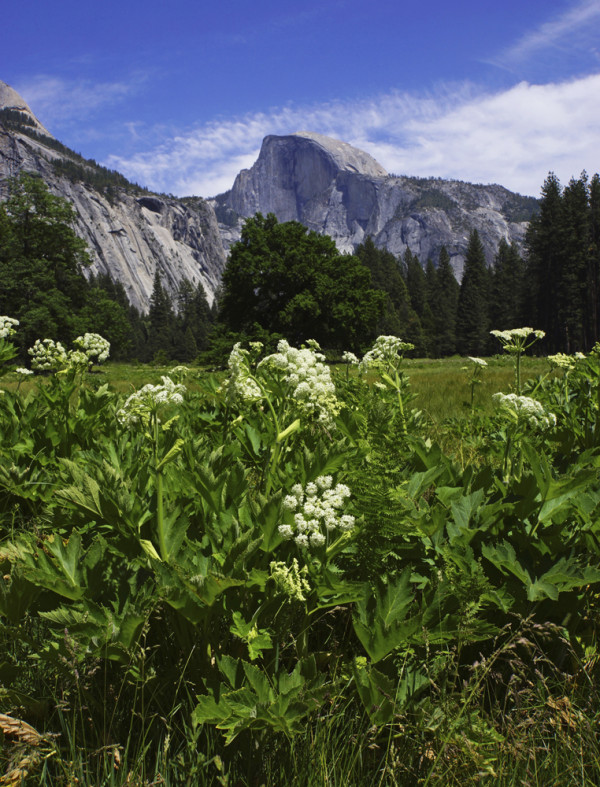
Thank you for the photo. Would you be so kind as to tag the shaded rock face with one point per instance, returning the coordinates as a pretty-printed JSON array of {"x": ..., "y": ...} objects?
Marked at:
[
  {"x": 335, "y": 189},
  {"x": 129, "y": 234}
]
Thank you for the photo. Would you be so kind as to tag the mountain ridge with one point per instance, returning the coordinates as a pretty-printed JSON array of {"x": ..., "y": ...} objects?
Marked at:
[
  {"x": 297, "y": 177},
  {"x": 328, "y": 185}
]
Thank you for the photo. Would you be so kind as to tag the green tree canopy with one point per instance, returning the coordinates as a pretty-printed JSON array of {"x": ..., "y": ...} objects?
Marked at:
[
  {"x": 289, "y": 280},
  {"x": 41, "y": 262},
  {"x": 472, "y": 317}
]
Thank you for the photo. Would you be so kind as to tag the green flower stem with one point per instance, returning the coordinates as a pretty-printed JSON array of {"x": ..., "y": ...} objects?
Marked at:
[
  {"x": 275, "y": 451},
  {"x": 400, "y": 403},
  {"x": 160, "y": 518}
]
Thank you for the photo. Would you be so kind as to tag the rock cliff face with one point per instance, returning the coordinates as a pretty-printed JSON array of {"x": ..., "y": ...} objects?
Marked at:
[
  {"x": 130, "y": 232},
  {"x": 327, "y": 185},
  {"x": 335, "y": 189}
]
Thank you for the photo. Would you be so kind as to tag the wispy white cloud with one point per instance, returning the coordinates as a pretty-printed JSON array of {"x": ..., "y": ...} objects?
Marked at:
[
  {"x": 59, "y": 102},
  {"x": 514, "y": 137},
  {"x": 574, "y": 33}
]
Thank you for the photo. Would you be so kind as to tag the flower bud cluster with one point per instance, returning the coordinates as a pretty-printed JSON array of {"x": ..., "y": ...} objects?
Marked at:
[
  {"x": 291, "y": 580},
  {"x": 350, "y": 358},
  {"x": 7, "y": 326},
  {"x": 317, "y": 510},
  {"x": 23, "y": 371},
  {"x": 94, "y": 346},
  {"x": 523, "y": 409},
  {"x": 47, "y": 354},
  {"x": 309, "y": 379},
  {"x": 241, "y": 384},
  {"x": 386, "y": 353},
  {"x": 141, "y": 404}
]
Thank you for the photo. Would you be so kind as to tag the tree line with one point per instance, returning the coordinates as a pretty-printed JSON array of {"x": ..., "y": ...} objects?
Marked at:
[{"x": 283, "y": 280}]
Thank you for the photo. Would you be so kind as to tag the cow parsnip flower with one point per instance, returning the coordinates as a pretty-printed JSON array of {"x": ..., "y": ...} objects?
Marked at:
[
  {"x": 308, "y": 379},
  {"x": 317, "y": 511},
  {"x": 7, "y": 326},
  {"x": 140, "y": 405},
  {"x": 525, "y": 411},
  {"x": 386, "y": 353},
  {"x": 94, "y": 346},
  {"x": 242, "y": 384},
  {"x": 46, "y": 354},
  {"x": 514, "y": 340}
]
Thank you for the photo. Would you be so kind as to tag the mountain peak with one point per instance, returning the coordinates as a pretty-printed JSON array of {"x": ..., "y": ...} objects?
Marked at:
[
  {"x": 346, "y": 156},
  {"x": 11, "y": 100}
]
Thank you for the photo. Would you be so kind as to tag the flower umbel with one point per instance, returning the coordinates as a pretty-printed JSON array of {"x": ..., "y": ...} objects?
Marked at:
[
  {"x": 7, "y": 327},
  {"x": 94, "y": 346},
  {"x": 525, "y": 411},
  {"x": 386, "y": 354},
  {"x": 47, "y": 354},
  {"x": 141, "y": 404},
  {"x": 309, "y": 380},
  {"x": 317, "y": 511}
]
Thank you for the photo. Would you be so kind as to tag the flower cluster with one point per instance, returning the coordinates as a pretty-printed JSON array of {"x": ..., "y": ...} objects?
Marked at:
[
  {"x": 478, "y": 361},
  {"x": 523, "y": 409},
  {"x": 47, "y": 354},
  {"x": 242, "y": 384},
  {"x": 94, "y": 346},
  {"x": 7, "y": 326},
  {"x": 386, "y": 353},
  {"x": 513, "y": 341},
  {"x": 309, "y": 379},
  {"x": 350, "y": 358},
  {"x": 23, "y": 372},
  {"x": 563, "y": 361},
  {"x": 291, "y": 580},
  {"x": 317, "y": 510},
  {"x": 141, "y": 404}
]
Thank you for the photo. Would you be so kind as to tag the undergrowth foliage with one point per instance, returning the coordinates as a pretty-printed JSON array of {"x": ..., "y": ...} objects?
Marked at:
[{"x": 208, "y": 579}]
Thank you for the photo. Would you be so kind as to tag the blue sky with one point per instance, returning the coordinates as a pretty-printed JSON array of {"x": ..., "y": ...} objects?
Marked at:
[{"x": 178, "y": 96}]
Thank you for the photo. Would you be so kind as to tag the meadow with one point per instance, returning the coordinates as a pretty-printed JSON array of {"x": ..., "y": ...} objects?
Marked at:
[{"x": 382, "y": 572}]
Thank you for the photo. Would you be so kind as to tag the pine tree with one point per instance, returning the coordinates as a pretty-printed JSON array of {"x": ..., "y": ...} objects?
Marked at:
[
  {"x": 472, "y": 315},
  {"x": 160, "y": 322},
  {"x": 507, "y": 288},
  {"x": 545, "y": 251},
  {"x": 445, "y": 313}
]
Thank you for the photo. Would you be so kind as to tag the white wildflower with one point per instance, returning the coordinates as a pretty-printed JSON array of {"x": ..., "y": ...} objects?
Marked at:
[
  {"x": 241, "y": 383},
  {"x": 478, "y": 361},
  {"x": 47, "y": 354},
  {"x": 7, "y": 326},
  {"x": 141, "y": 404},
  {"x": 386, "y": 353},
  {"x": 94, "y": 346},
  {"x": 350, "y": 358},
  {"x": 320, "y": 507},
  {"x": 22, "y": 371},
  {"x": 308, "y": 380},
  {"x": 524, "y": 410},
  {"x": 514, "y": 340},
  {"x": 285, "y": 531}
]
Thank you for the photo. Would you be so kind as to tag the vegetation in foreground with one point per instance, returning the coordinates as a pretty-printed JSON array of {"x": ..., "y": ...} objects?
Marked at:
[{"x": 279, "y": 576}]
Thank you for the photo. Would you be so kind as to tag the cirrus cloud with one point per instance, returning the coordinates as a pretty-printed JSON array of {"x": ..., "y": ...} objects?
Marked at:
[{"x": 512, "y": 137}]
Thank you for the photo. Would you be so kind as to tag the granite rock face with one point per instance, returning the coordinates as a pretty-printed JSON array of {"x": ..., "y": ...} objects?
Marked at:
[
  {"x": 130, "y": 233},
  {"x": 335, "y": 189}
]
